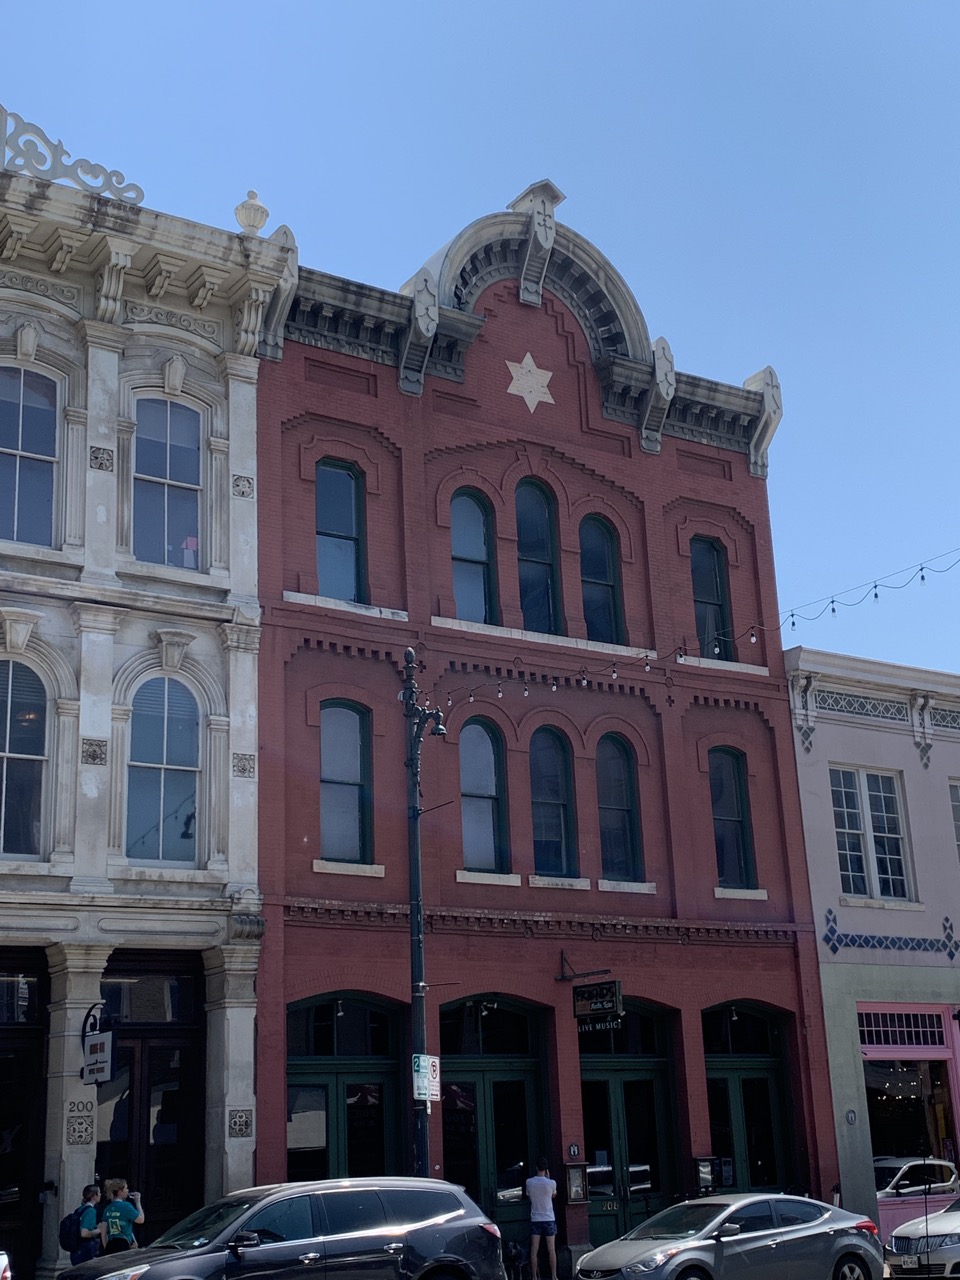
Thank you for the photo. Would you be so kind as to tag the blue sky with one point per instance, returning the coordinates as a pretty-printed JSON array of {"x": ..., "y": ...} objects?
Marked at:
[{"x": 777, "y": 182}]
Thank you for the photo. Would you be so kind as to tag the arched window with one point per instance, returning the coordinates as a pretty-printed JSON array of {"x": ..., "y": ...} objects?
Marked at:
[
  {"x": 471, "y": 545},
  {"x": 163, "y": 773},
  {"x": 28, "y": 450},
  {"x": 341, "y": 567},
  {"x": 551, "y": 793},
  {"x": 344, "y": 783},
  {"x": 166, "y": 484},
  {"x": 731, "y": 819},
  {"x": 711, "y": 598},
  {"x": 482, "y": 807},
  {"x": 617, "y": 801},
  {"x": 600, "y": 581},
  {"x": 23, "y": 735},
  {"x": 537, "y": 559}
]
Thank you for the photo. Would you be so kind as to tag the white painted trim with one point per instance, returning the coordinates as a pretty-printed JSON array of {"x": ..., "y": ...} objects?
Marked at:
[
  {"x": 717, "y": 664},
  {"x": 347, "y": 606},
  {"x": 486, "y": 877},
  {"x": 881, "y": 904},
  {"x": 747, "y": 895},
  {"x": 626, "y": 886},
  {"x": 558, "y": 882},
  {"x": 330, "y": 867},
  {"x": 543, "y": 637}
]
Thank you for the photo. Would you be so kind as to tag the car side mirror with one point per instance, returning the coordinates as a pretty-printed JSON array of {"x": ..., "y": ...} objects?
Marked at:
[
  {"x": 243, "y": 1240},
  {"x": 726, "y": 1230}
]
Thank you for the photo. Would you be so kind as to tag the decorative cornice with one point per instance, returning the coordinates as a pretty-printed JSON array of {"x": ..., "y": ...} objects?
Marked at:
[
  {"x": 533, "y": 924},
  {"x": 539, "y": 202}
]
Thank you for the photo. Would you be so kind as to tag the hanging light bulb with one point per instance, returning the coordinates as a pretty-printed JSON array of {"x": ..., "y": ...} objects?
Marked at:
[
  {"x": 833, "y": 606},
  {"x": 679, "y": 655},
  {"x": 553, "y": 687},
  {"x": 793, "y": 623},
  {"x": 449, "y": 700},
  {"x": 646, "y": 664},
  {"x": 526, "y": 689},
  {"x": 876, "y": 593},
  {"x": 923, "y": 576},
  {"x": 613, "y": 674},
  {"x": 499, "y": 690},
  {"x": 583, "y": 680},
  {"x": 716, "y": 648},
  {"x": 472, "y": 698},
  {"x": 753, "y": 636}
]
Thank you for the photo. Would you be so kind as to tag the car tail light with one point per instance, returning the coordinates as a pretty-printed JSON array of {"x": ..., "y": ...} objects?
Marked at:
[
  {"x": 863, "y": 1225},
  {"x": 487, "y": 1226}
]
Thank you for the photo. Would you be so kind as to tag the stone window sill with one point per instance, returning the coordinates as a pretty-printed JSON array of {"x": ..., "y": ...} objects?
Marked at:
[
  {"x": 330, "y": 867},
  {"x": 487, "y": 877},
  {"x": 718, "y": 664},
  {"x": 543, "y": 637},
  {"x": 745, "y": 895},
  {"x": 881, "y": 904},
  {"x": 626, "y": 886},
  {"x": 558, "y": 882},
  {"x": 346, "y": 606}
]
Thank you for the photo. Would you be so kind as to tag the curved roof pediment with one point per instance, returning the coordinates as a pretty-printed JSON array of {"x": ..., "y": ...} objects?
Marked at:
[{"x": 527, "y": 243}]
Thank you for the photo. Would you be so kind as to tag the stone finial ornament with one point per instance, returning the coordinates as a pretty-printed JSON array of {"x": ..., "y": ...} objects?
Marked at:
[
  {"x": 539, "y": 202},
  {"x": 28, "y": 150},
  {"x": 251, "y": 214}
]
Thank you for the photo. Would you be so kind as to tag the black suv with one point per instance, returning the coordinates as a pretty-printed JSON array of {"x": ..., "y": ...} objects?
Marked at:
[{"x": 357, "y": 1229}]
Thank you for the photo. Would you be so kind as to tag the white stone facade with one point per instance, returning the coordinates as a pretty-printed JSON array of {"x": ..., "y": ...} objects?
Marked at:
[
  {"x": 887, "y": 933},
  {"x": 116, "y": 304}
]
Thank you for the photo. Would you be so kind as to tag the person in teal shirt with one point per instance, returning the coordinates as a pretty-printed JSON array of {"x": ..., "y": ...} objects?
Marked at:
[{"x": 120, "y": 1217}]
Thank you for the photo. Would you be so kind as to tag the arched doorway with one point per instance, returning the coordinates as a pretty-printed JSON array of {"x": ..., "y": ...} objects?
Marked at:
[
  {"x": 494, "y": 1100},
  {"x": 343, "y": 1087},
  {"x": 747, "y": 1094},
  {"x": 629, "y": 1128}
]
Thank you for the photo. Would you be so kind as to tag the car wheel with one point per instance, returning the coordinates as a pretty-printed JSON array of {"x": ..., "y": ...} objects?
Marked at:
[
  {"x": 694, "y": 1274},
  {"x": 850, "y": 1269}
]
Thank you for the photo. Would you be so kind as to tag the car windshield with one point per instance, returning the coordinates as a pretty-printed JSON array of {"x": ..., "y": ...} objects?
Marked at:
[
  {"x": 678, "y": 1221},
  {"x": 201, "y": 1227},
  {"x": 884, "y": 1174}
]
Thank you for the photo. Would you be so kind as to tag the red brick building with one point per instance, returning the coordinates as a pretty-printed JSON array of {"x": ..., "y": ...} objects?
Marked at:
[{"x": 497, "y": 467}]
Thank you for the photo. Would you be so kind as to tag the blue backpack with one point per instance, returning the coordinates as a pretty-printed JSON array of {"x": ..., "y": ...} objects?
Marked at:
[{"x": 70, "y": 1238}]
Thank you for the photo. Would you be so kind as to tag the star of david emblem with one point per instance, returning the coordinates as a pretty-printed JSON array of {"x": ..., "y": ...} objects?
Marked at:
[{"x": 529, "y": 382}]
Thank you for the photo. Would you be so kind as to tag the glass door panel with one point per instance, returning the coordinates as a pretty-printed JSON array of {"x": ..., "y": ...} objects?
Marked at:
[
  {"x": 366, "y": 1130},
  {"x": 307, "y": 1153},
  {"x": 114, "y": 1155},
  {"x": 721, "y": 1129},
  {"x": 746, "y": 1129},
  {"x": 22, "y": 1095},
  {"x": 511, "y": 1143},
  {"x": 760, "y": 1132},
  {"x": 641, "y": 1177},
  {"x": 461, "y": 1149}
]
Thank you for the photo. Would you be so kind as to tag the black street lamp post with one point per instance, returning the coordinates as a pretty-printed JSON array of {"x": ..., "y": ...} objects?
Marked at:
[{"x": 417, "y": 719}]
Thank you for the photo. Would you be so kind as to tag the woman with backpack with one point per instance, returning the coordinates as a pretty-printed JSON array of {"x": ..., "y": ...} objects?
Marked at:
[{"x": 84, "y": 1230}]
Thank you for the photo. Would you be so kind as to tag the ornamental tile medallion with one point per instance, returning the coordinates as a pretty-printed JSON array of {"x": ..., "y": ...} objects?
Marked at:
[
  {"x": 79, "y": 1131},
  {"x": 93, "y": 751},
  {"x": 101, "y": 459},
  {"x": 240, "y": 1122},
  {"x": 529, "y": 382},
  {"x": 243, "y": 486},
  {"x": 244, "y": 766}
]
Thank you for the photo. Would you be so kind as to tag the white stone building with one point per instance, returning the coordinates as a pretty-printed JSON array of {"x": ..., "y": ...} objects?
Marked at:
[
  {"x": 878, "y": 750},
  {"x": 129, "y": 630}
]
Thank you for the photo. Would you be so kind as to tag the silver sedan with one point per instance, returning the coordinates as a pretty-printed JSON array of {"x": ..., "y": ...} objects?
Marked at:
[
  {"x": 927, "y": 1246},
  {"x": 757, "y": 1237}
]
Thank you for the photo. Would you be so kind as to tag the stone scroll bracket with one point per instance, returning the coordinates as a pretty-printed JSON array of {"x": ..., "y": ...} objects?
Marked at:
[
  {"x": 663, "y": 388},
  {"x": 768, "y": 384},
  {"x": 418, "y": 339},
  {"x": 539, "y": 202}
]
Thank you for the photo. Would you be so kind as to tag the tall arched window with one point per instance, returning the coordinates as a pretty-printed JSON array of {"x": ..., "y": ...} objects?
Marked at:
[
  {"x": 163, "y": 773},
  {"x": 551, "y": 794},
  {"x": 23, "y": 734},
  {"x": 166, "y": 484},
  {"x": 482, "y": 805},
  {"x": 344, "y": 783},
  {"x": 731, "y": 819},
  {"x": 711, "y": 598},
  {"x": 537, "y": 559},
  {"x": 341, "y": 562},
  {"x": 471, "y": 546},
  {"x": 28, "y": 450},
  {"x": 619, "y": 819},
  {"x": 600, "y": 581}
]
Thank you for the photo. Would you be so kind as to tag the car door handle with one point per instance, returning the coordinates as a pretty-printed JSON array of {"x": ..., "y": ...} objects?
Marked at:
[
  {"x": 393, "y": 1248},
  {"x": 308, "y": 1259}
]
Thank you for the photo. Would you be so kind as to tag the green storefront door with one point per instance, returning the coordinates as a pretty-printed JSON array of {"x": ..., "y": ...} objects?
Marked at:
[
  {"x": 620, "y": 1114},
  {"x": 494, "y": 1096}
]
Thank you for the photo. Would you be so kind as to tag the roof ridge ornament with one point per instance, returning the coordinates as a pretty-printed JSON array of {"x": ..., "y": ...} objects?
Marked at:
[
  {"x": 28, "y": 150},
  {"x": 539, "y": 201}
]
